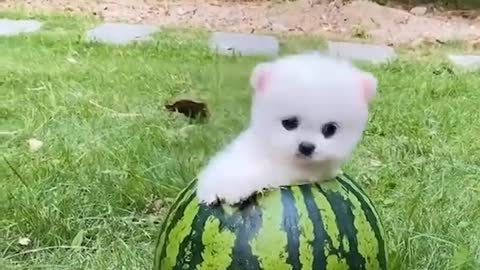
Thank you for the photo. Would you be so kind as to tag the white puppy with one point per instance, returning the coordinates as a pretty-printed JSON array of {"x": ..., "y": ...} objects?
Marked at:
[{"x": 308, "y": 114}]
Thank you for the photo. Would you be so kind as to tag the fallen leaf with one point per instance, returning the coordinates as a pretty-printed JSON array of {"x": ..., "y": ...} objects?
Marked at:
[
  {"x": 463, "y": 224},
  {"x": 189, "y": 108},
  {"x": 24, "y": 241},
  {"x": 388, "y": 202},
  {"x": 34, "y": 144},
  {"x": 157, "y": 207},
  {"x": 375, "y": 163},
  {"x": 78, "y": 239},
  {"x": 72, "y": 60}
]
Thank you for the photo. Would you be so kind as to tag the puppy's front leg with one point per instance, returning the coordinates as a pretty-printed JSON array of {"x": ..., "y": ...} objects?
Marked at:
[
  {"x": 230, "y": 178},
  {"x": 230, "y": 188}
]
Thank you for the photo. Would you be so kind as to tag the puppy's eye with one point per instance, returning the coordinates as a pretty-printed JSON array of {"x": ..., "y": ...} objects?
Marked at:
[
  {"x": 329, "y": 129},
  {"x": 290, "y": 123}
]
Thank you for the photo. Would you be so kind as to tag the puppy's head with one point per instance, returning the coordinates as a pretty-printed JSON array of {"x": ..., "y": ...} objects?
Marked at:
[{"x": 310, "y": 107}]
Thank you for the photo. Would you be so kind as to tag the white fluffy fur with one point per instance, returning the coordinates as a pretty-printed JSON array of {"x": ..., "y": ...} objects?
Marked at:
[{"x": 315, "y": 88}]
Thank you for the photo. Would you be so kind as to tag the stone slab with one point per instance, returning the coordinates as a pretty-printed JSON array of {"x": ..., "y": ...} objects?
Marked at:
[
  {"x": 469, "y": 61},
  {"x": 121, "y": 33},
  {"x": 361, "y": 52},
  {"x": 244, "y": 44},
  {"x": 14, "y": 27}
]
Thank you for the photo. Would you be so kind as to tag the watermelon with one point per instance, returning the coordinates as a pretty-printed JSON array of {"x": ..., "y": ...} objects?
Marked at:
[{"x": 331, "y": 225}]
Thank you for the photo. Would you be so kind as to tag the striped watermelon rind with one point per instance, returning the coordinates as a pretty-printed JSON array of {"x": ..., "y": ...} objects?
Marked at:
[{"x": 331, "y": 225}]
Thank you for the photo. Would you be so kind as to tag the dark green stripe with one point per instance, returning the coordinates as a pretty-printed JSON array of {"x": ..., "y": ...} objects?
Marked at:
[
  {"x": 336, "y": 245},
  {"x": 245, "y": 224},
  {"x": 345, "y": 223},
  {"x": 319, "y": 258},
  {"x": 290, "y": 226},
  {"x": 371, "y": 218},
  {"x": 347, "y": 179},
  {"x": 191, "y": 248},
  {"x": 176, "y": 217},
  {"x": 354, "y": 184},
  {"x": 178, "y": 199}
]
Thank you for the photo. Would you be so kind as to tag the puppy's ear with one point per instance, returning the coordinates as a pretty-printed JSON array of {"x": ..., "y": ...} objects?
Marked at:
[
  {"x": 369, "y": 85},
  {"x": 260, "y": 77}
]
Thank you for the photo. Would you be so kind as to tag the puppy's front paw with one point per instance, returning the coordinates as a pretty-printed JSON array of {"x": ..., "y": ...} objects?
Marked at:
[
  {"x": 213, "y": 195},
  {"x": 231, "y": 190},
  {"x": 237, "y": 195},
  {"x": 207, "y": 195}
]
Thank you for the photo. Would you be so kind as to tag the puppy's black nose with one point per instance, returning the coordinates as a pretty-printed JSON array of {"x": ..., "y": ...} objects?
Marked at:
[{"x": 306, "y": 148}]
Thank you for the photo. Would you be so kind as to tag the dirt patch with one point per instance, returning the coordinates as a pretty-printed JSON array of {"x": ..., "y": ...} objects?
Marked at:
[{"x": 357, "y": 19}]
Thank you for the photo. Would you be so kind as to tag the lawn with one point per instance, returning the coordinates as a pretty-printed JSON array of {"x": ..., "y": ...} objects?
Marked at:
[{"x": 94, "y": 195}]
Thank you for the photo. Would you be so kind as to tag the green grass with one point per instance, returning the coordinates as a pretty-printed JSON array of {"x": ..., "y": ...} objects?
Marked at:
[
  {"x": 451, "y": 4},
  {"x": 110, "y": 149}
]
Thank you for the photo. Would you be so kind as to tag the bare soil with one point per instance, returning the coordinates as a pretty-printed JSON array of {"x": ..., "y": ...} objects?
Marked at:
[{"x": 357, "y": 19}]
